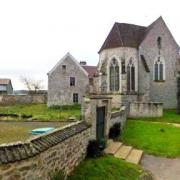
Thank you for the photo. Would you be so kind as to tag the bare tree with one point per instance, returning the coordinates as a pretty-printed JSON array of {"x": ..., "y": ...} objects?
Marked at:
[
  {"x": 32, "y": 84},
  {"x": 37, "y": 85},
  {"x": 27, "y": 82}
]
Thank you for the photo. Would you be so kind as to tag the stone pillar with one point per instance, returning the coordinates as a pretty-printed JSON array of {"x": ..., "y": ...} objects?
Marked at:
[{"x": 88, "y": 112}]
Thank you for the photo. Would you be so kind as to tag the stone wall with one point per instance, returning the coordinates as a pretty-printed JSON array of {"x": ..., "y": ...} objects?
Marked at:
[
  {"x": 6, "y": 100},
  {"x": 118, "y": 117},
  {"x": 29, "y": 99},
  {"x": 39, "y": 158},
  {"x": 145, "y": 109}
]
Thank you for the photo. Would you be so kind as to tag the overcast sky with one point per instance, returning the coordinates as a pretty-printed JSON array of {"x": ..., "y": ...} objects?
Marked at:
[{"x": 35, "y": 34}]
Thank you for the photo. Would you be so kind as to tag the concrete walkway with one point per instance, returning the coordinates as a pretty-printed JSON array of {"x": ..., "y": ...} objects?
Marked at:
[{"x": 162, "y": 168}]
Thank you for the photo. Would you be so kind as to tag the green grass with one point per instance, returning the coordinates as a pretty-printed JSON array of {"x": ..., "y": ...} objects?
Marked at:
[
  {"x": 19, "y": 131},
  {"x": 168, "y": 116},
  {"x": 104, "y": 168},
  {"x": 114, "y": 109},
  {"x": 154, "y": 138},
  {"x": 41, "y": 112}
]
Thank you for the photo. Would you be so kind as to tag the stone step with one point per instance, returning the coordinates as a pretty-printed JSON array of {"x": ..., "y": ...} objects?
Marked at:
[
  {"x": 109, "y": 141},
  {"x": 123, "y": 152},
  {"x": 112, "y": 148},
  {"x": 134, "y": 156}
]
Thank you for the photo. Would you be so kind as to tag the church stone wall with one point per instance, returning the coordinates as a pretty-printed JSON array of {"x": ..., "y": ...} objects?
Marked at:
[
  {"x": 118, "y": 53},
  {"x": 164, "y": 92}
]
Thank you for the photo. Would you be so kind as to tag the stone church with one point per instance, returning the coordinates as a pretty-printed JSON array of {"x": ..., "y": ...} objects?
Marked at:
[{"x": 136, "y": 63}]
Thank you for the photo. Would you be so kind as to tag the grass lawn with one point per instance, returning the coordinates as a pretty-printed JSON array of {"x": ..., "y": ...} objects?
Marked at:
[
  {"x": 168, "y": 116},
  {"x": 19, "y": 131},
  {"x": 104, "y": 168},
  {"x": 41, "y": 112},
  {"x": 154, "y": 138}
]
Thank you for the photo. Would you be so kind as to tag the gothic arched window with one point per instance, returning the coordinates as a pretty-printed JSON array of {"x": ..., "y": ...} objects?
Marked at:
[
  {"x": 130, "y": 76},
  {"x": 159, "y": 70},
  {"x": 114, "y": 75}
]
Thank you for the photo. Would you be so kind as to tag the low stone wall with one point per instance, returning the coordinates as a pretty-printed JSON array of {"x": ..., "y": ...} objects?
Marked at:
[
  {"x": 29, "y": 99},
  {"x": 7, "y": 100},
  {"x": 145, "y": 109},
  {"x": 22, "y": 99},
  {"x": 38, "y": 158},
  {"x": 118, "y": 117}
]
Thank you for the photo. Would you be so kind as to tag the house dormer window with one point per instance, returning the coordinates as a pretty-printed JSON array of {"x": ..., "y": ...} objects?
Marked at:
[
  {"x": 72, "y": 81},
  {"x": 159, "y": 69},
  {"x": 114, "y": 75}
]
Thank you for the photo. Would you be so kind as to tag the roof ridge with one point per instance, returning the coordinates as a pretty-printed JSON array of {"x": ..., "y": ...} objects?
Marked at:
[
  {"x": 131, "y": 24},
  {"x": 119, "y": 32}
]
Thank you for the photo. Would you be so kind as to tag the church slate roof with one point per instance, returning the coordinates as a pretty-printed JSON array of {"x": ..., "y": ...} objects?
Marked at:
[
  {"x": 124, "y": 35},
  {"x": 129, "y": 35}
]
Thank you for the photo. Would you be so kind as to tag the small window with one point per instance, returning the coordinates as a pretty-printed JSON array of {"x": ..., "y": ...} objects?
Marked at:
[
  {"x": 75, "y": 98},
  {"x": 72, "y": 81},
  {"x": 64, "y": 67},
  {"x": 159, "y": 42}
]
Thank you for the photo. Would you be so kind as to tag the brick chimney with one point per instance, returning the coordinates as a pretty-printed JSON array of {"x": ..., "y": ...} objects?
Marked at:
[{"x": 83, "y": 63}]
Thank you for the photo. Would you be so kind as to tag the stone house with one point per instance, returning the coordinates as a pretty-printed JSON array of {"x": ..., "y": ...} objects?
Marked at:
[
  {"x": 6, "y": 87},
  {"x": 69, "y": 81},
  {"x": 138, "y": 63}
]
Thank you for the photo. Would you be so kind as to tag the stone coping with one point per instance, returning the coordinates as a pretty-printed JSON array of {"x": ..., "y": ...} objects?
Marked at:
[
  {"x": 118, "y": 113},
  {"x": 137, "y": 102},
  {"x": 22, "y": 150},
  {"x": 100, "y": 97}
]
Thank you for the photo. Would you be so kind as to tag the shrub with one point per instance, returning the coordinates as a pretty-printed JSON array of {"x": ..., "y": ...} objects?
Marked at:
[
  {"x": 95, "y": 148},
  {"x": 115, "y": 131},
  {"x": 25, "y": 116}
]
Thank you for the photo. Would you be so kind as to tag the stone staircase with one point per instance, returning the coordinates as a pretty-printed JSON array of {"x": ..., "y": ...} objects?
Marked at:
[{"x": 127, "y": 153}]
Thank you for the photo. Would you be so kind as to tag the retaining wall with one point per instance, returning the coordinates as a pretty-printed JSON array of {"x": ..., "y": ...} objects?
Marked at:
[{"x": 145, "y": 109}]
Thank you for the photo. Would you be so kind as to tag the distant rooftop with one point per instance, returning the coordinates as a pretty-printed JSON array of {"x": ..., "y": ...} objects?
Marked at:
[
  {"x": 91, "y": 70},
  {"x": 4, "y": 81}
]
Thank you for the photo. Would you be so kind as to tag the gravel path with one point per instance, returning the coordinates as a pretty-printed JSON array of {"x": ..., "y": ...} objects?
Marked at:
[{"x": 162, "y": 168}]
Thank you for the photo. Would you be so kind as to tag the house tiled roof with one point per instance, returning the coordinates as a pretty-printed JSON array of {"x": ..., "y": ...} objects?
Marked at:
[
  {"x": 91, "y": 70},
  {"x": 124, "y": 35},
  {"x": 4, "y": 81}
]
